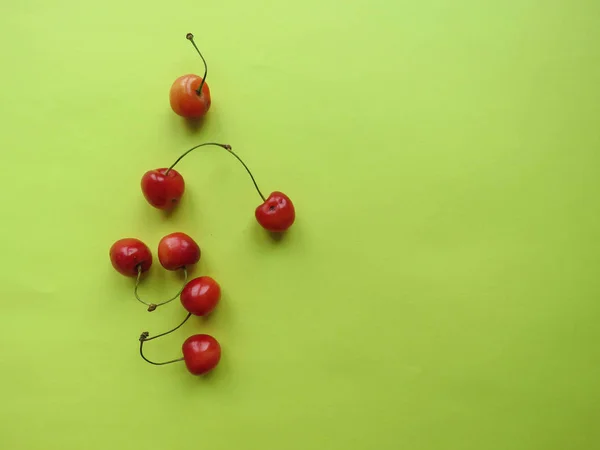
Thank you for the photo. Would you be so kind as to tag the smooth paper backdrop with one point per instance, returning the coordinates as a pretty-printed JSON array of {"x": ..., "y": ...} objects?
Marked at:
[{"x": 439, "y": 290}]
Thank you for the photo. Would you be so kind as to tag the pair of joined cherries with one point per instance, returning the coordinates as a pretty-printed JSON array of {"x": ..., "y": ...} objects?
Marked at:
[
  {"x": 164, "y": 187},
  {"x": 176, "y": 251}
]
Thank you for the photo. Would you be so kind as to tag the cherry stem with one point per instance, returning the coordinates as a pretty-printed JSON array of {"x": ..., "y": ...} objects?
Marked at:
[
  {"x": 144, "y": 337},
  {"x": 153, "y": 306},
  {"x": 190, "y": 37},
  {"x": 228, "y": 148}
]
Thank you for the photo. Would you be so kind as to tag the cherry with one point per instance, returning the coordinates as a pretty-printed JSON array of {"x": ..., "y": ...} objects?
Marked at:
[
  {"x": 200, "y": 296},
  {"x": 277, "y": 213},
  {"x": 190, "y": 95},
  {"x": 178, "y": 250},
  {"x": 130, "y": 257},
  {"x": 163, "y": 188},
  {"x": 201, "y": 353}
]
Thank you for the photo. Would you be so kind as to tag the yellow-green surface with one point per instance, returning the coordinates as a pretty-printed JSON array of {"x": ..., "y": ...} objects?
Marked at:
[{"x": 440, "y": 289}]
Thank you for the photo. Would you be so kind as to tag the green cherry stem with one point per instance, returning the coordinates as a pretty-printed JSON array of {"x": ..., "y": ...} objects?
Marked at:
[
  {"x": 229, "y": 150},
  {"x": 144, "y": 337},
  {"x": 153, "y": 306},
  {"x": 190, "y": 37}
]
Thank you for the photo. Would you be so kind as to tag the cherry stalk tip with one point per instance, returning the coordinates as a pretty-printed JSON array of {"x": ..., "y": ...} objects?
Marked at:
[{"x": 189, "y": 36}]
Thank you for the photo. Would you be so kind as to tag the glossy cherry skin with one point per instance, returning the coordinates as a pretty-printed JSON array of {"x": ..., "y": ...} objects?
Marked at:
[
  {"x": 200, "y": 296},
  {"x": 163, "y": 191},
  {"x": 184, "y": 99},
  {"x": 277, "y": 213},
  {"x": 129, "y": 253},
  {"x": 177, "y": 250},
  {"x": 201, "y": 353}
]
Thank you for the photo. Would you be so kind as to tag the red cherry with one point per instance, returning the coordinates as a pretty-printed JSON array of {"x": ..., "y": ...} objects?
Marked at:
[
  {"x": 200, "y": 295},
  {"x": 129, "y": 253},
  {"x": 163, "y": 188},
  {"x": 201, "y": 353},
  {"x": 277, "y": 213},
  {"x": 184, "y": 97},
  {"x": 178, "y": 250},
  {"x": 190, "y": 95}
]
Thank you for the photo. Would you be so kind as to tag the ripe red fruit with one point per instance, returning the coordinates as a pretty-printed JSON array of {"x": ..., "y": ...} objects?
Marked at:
[
  {"x": 190, "y": 95},
  {"x": 277, "y": 213},
  {"x": 185, "y": 98},
  {"x": 178, "y": 250},
  {"x": 163, "y": 188},
  {"x": 200, "y": 296},
  {"x": 201, "y": 353},
  {"x": 129, "y": 253}
]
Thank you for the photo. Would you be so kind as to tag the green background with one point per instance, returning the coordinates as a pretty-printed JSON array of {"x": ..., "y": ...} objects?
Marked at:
[{"x": 439, "y": 290}]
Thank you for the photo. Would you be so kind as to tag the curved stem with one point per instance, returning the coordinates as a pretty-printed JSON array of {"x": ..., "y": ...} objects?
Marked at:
[
  {"x": 156, "y": 363},
  {"x": 190, "y": 37},
  {"x": 228, "y": 148},
  {"x": 144, "y": 337},
  {"x": 153, "y": 306},
  {"x": 249, "y": 173}
]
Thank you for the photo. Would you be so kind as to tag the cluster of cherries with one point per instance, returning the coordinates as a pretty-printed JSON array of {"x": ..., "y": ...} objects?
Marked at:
[{"x": 163, "y": 189}]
